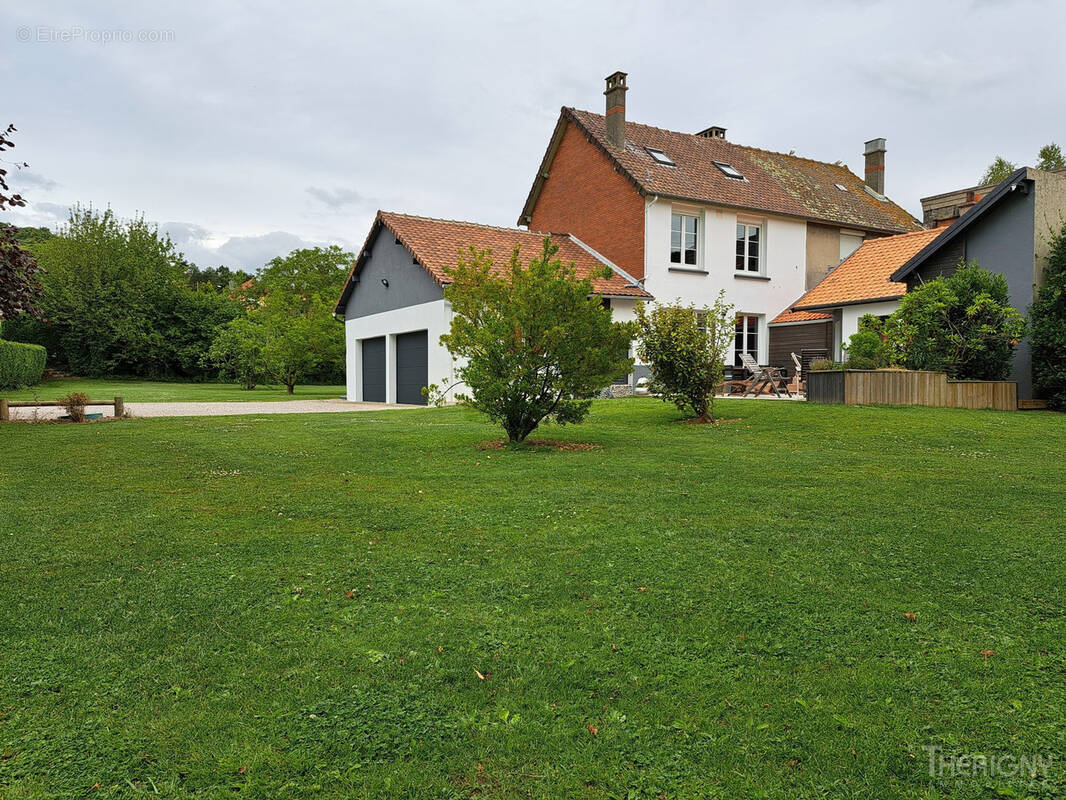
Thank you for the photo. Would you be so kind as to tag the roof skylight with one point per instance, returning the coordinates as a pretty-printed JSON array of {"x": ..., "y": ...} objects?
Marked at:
[
  {"x": 729, "y": 170},
  {"x": 660, "y": 156},
  {"x": 842, "y": 187}
]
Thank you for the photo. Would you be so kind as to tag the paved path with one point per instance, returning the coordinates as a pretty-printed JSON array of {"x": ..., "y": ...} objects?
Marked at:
[{"x": 215, "y": 409}]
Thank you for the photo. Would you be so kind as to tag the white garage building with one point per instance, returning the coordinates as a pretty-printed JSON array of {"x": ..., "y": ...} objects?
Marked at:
[{"x": 393, "y": 305}]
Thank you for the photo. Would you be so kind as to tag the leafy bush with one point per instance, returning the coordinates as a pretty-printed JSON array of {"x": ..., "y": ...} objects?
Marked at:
[
  {"x": 866, "y": 350},
  {"x": 960, "y": 325},
  {"x": 824, "y": 364},
  {"x": 1047, "y": 320},
  {"x": 685, "y": 350},
  {"x": 75, "y": 404},
  {"x": 237, "y": 352},
  {"x": 20, "y": 364},
  {"x": 537, "y": 342}
]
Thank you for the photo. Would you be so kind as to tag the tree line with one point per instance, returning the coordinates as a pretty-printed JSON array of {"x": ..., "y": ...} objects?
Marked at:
[{"x": 117, "y": 298}]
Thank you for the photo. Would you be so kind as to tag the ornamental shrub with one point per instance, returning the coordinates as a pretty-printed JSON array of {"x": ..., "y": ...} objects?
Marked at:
[
  {"x": 535, "y": 342},
  {"x": 685, "y": 350},
  {"x": 20, "y": 364},
  {"x": 961, "y": 325}
]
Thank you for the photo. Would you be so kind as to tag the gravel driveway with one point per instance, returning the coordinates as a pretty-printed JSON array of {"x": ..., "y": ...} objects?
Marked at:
[{"x": 213, "y": 409}]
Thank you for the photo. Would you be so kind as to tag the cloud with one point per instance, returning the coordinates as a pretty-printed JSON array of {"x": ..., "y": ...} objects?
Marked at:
[
  {"x": 336, "y": 198},
  {"x": 206, "y": 248},
  {"x": 33, "y": 180},
  {"x": 252, "y": 252},
  {"x": 185, "y": 232}
]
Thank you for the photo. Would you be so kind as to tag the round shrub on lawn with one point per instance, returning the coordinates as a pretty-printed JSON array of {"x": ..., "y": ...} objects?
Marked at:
[{"x": 20, "y": 364}]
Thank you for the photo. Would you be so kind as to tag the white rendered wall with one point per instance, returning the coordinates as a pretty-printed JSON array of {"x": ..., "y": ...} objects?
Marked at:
[
  {"x": 784, "y": 253},
  {"x": 433, "y": 317},
  {"x": 850, "y": 316}
]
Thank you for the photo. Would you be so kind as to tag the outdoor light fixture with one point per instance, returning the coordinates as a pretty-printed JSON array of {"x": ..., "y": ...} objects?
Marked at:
[{"x": 385, "y": 282}]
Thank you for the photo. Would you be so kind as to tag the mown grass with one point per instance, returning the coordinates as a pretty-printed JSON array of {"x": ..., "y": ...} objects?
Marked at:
[
  {"x": 299, "y": 606},
  {"x": 138, "y": 391}
]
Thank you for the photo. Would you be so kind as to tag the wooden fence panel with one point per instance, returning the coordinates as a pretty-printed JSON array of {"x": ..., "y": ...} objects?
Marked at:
[{"x": 915, "y": 388}]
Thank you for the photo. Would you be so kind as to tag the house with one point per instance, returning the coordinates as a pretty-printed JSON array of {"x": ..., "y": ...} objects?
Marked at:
[
  {"x": 393, "y": 304},
  {"x": 689, "y": 215},
  {"x": 827, "y": 315},
  {"x": 1008, "y": 230}
]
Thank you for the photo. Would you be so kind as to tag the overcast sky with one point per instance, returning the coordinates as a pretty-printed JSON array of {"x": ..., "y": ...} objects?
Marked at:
[{"x": 248, "y": 129}]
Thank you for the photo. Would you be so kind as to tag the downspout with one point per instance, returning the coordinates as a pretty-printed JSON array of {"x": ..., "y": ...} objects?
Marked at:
[{"x": 654, "y": 200}]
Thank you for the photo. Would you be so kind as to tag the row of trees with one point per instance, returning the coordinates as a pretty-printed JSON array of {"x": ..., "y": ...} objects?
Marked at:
[
  {"x": 1048, "y": 158},
  {"x": 117, "y": 298}
]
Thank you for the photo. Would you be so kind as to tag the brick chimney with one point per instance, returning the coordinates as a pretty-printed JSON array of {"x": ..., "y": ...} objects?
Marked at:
[
  {"x": 616, "y": 109},
  {"x": 713, "y": 132},
  {"x": 875, "y": 165}
]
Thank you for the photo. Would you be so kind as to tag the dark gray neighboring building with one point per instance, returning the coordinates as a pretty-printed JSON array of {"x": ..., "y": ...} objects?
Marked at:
[{"x": 1007, "y": 231}]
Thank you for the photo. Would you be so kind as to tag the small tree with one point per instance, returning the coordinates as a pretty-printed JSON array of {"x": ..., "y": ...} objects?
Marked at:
[
  {"x": 237, "y": 352},
  {"x": 999, "y": 170},
  {"x": 536, "y": 341},
  {"x": 19, "y": 287},
  {"x": 1047, "y": 320},
  {"x": 686, "y": 351},
  {"x": 961, "y": 325},
  {"x": 1050, "y": 157},
  {"x": 297, "y": 342}
]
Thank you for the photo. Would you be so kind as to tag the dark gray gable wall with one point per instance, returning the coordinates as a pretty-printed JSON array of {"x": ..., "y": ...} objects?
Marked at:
[
  {"x": 1001, "y": 241},
  {"x": 409, "y": 283}
]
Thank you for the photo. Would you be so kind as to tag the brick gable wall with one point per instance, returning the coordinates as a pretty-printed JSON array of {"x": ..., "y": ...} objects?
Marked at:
[{"x": 586, "y": 197}]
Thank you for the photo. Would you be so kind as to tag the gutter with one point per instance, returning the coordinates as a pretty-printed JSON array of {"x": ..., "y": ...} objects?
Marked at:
[{"x": 822, "y": 306}]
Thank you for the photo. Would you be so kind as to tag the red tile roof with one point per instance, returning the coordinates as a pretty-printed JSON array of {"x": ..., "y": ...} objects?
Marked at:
[
  {"x": 437, "y": 243},
  {"x": 863, "y": 277},
  {"x": 773, "y": 182},
  {"x": 800, "y": 316}
]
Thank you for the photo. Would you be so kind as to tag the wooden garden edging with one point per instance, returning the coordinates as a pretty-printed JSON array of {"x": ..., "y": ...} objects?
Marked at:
[
  {"x": 5, "y": 406},
  {"x": 855, "y": 387}
]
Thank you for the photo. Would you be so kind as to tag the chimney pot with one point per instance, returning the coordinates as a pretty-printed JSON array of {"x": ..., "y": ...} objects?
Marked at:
[
  {"x": 713, "y": 132},
  {"x": 875, "y": 165},
  {"x": 616, "y": 109}
]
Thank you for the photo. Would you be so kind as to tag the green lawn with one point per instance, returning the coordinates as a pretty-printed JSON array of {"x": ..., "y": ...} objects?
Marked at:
[
  {"x": 138, "y": 391},
  {"x": 299, "y": 606}
]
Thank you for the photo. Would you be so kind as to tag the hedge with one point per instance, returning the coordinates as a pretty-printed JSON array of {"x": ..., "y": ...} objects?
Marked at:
[{"x": 20, "y": 364}]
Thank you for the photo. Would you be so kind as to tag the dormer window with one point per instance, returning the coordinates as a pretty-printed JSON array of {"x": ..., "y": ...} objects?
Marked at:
[
  {"x": 660, "y": 157},
  {"x": 729, "y": 170}
]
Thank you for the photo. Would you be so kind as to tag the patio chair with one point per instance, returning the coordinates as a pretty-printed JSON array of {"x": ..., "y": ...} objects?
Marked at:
[
  {"x": 733, "y": 383},
  {"x": 763, "y": 377},
  {"x": 801, "y": 382}
]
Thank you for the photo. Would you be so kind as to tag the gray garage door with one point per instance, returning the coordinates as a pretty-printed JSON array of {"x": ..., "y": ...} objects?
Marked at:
[
  {"x": 412, "y": 367},
  {"x": 374, "y": 370}
]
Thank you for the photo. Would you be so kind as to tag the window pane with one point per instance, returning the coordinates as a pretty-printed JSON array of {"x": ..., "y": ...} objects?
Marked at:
[
  {"x": 690, "y": 225},
  {"x": 753, "y": 249},
  {"x": 675, "y": 246},
  {"x": 690, "y": 256},
  {"x": 675, "y": 223},
  {"x": 740, "y": 233},
  {"x": 753, "y": 337}
]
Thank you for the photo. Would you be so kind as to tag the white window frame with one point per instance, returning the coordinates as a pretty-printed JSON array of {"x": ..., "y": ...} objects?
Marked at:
[
  {"x": 761, "y": 226},
  {"x": 660, "y": 157},
  {"x": 684, "y": 214},
  {"x": 747, "y": 334}
]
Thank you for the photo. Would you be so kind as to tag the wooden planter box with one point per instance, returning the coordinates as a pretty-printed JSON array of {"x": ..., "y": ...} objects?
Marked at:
[{"x": 872, "y": 387}]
